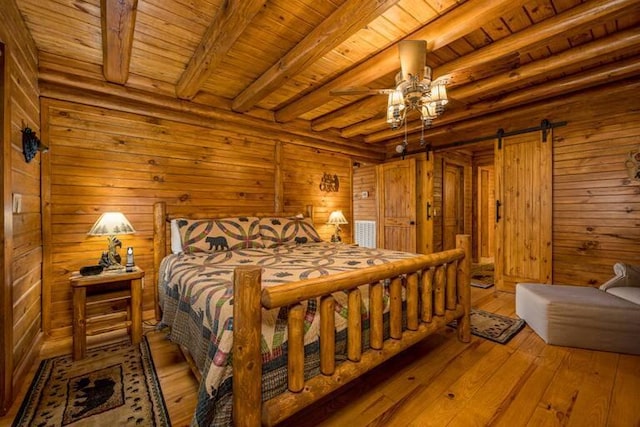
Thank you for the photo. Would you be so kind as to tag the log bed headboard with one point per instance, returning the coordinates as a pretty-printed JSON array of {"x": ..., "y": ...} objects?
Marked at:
[{"x": 162, "y": 217}]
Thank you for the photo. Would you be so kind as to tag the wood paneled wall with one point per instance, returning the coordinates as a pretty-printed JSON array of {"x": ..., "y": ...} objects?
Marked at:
[
  {"x": 102, "y": 160},
  {"x": 596, "y": 205},
  {"x": 364, "y": 181},
  {"x": 302, "y": 169},
  {"x": 20, "y": 295}
]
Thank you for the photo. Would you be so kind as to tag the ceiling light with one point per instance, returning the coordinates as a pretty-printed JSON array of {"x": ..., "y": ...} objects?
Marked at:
[{"x": 417, "y": 93}]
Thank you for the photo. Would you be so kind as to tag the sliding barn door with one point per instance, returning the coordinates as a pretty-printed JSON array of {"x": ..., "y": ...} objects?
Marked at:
[
  {"x": 397, "y": 205},
  {"x": 523, "y": 210}
]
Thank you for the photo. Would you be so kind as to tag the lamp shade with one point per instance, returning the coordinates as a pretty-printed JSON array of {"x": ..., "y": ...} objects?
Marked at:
[
  {"x": 337, "y": 217},
  {"x": 110, "y": 224}
]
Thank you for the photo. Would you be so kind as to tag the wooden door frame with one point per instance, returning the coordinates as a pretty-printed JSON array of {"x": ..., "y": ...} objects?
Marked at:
[
  {"x": 479, "y": 217},
  {"x": 460, "y": 197},
  {"x": 6, "y": 251},
  {"x": 467, "y": 190}
]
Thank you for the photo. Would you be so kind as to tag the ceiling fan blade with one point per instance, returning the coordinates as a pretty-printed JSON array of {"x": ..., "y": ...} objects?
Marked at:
[
  {"x": 413, "y": 57},
  {"x": 360, "y": 91}
]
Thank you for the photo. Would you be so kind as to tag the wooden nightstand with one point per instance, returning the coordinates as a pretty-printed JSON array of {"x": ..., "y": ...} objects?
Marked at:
[{"x": 102, "y": 288}]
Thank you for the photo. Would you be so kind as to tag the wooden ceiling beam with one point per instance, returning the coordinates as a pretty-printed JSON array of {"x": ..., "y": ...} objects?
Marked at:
[
  {"x": 460, "y": 21},
  {"x": 363, "y": 109},
  {"x": 348, "y": 19},
  {"x": 118, "y": 20},
  {"x": 588, "y": 79},
  {"x": 229, "y": 23},
  {"x": 579, "y": 17},
  {"x": 586, "y": 53}
]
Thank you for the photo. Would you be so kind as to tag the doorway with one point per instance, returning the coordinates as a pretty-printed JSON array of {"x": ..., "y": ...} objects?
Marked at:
[{"x": 452, "y": 204}]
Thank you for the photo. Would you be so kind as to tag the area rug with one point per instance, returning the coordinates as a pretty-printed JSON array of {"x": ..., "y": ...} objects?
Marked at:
[
  {"x": 115, "y": 385},
  {"x": 494, "y": 327},
  {"x": 482, "y": 276}
]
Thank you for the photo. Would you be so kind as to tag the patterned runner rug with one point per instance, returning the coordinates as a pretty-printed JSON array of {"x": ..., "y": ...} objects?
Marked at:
[
  {"x": 494, "y": 327},
  {"x": 115, "y": 385}
]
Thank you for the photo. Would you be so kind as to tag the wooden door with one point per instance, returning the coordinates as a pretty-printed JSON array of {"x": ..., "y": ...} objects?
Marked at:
[
  {"x": 486, "y": 213},
  {"x": 523, "y": 173},
  {"x": 397, "y": 205},
  {"x": 452, "y": 204}
]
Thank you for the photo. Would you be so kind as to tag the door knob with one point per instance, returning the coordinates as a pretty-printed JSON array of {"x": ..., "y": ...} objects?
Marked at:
[{"x": 412, "y": 223}]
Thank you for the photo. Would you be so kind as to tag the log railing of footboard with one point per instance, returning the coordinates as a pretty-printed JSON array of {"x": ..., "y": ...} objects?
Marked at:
[{"x": 437, "y": 291}]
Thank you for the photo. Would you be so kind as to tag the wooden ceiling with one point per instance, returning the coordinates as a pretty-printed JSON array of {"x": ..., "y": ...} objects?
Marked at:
[{"x": 279, "y": 59}]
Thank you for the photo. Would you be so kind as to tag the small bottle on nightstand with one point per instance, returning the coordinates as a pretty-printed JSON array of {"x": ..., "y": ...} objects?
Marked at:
[{"x": 130, "y": 264}]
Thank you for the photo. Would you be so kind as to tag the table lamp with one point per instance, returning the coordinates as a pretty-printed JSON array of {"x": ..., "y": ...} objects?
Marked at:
[
  {"x": 111, "y": 224},
  {"x": 337, "y": 218}
]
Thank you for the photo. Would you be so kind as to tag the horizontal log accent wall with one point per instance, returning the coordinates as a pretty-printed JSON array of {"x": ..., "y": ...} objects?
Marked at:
[
  {"x": 103, "y": 160},
  {"x": 20, "y": 292}
]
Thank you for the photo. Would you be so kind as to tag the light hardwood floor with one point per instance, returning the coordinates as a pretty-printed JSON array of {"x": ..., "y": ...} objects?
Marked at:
[{"x": 442, "y": 382}]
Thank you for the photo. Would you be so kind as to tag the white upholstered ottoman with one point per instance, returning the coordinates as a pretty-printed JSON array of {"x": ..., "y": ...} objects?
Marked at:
[{"x": 577, "y": 316}]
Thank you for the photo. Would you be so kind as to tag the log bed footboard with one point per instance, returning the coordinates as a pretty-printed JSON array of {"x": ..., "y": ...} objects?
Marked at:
[{"x": 437, "y": 289}]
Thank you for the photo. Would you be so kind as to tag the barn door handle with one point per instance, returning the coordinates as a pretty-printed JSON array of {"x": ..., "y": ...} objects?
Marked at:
[
  {"x": 412, "y": 223},
  {"x": 498, "y": 204},
  {"x": 428, "y": 210}
]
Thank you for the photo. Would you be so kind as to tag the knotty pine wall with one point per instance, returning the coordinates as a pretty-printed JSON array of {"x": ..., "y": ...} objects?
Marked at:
[
  {"x": 102, "y": 160},
  {"x": 364, "y": 180},
  {"x": 20, "y": 294},
  {"x": 596, "y": 206}
]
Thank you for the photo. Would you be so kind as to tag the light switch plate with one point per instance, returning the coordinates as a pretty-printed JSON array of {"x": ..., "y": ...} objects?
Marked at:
[{"x": 17, "y": 203}]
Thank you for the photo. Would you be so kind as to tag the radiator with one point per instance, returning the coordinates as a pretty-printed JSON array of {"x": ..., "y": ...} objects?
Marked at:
[{"x": 366, "y": 234}]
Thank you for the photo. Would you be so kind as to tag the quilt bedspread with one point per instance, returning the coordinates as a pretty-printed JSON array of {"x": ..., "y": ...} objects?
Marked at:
[{"x": 196, "y": 297}]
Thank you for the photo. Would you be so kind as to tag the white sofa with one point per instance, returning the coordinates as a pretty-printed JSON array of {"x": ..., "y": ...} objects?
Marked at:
[{"x": 605, "y": 318}]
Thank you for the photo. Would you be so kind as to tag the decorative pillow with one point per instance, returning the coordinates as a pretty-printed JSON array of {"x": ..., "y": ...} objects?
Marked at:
[
  {"x": 277, "y": 231},
  {"x": 176, "y": 243},
  {"x": 215, "y": 235}
]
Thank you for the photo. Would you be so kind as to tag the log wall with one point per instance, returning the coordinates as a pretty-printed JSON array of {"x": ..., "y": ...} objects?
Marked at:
[
  {"x": 20, "y": 294},
  {"x": 102, "y": 160}
]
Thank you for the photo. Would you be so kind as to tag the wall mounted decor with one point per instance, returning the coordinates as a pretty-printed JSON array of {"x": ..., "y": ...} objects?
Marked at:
[
  {"x": 329, "y": 183},
  {"x": 31, "y": 144},
  {"x": 633, "y": 165}
]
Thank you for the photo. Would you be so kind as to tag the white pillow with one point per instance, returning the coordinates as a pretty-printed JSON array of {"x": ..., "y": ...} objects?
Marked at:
[{"x": 176, "y": 242}]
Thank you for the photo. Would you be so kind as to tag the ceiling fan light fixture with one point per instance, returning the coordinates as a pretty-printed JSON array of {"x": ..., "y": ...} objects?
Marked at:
[
  {"x": 395, "y": 109},
  {"x": 438, "y": 92},
  {"x": 414, "y": 88}
]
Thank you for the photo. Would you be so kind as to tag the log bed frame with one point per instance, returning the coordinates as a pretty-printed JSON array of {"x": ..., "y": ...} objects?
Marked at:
[{"x": 437, "y": 289}]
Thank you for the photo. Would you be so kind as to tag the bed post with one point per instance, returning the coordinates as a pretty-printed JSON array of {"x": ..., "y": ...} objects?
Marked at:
[
  {"x": 463, "y": 241},
  {"x": 247, "y": 355},
  {"x": 159, "y": 247}
]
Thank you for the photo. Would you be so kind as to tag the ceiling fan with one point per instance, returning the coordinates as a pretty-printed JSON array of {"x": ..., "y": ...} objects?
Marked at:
[{"x": 414, "y": 88}]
